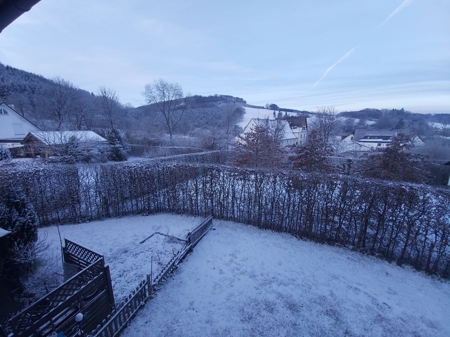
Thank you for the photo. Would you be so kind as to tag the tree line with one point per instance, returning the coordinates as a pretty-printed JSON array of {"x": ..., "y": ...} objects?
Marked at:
[
  {"x": 406, "y": 223},
  {"x": 57, "y": 104}
]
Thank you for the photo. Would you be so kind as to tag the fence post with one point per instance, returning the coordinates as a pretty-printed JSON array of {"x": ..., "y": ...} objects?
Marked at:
[
  {"x": 109, "y": 287},
  {"x": 149, "y": 284},
  {"x": 188, "y": 238}
]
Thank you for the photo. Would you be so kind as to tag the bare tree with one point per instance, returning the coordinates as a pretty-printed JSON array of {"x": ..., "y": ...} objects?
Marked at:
[
  {"x": 83, "y": 111},
  {"x": 57, "y": 102},
  {"x": 21, "y": 103},
  {"x": 325, "y": 123},
  {"x": 109, "y": 103},
  {"x": 232, "y": 114},
  {"x": 168, "y": 99}
]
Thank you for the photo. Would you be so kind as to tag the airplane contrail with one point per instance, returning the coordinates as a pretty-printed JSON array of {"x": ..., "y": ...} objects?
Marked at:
[
  {"x": 404, "y": 4},
  {"x": 398, "y": 10},
  {"x": 334, "y": 65}
]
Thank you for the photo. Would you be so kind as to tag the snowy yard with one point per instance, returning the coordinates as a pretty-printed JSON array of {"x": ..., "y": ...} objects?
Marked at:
[
  {"x": 242, "y": 281},
  {"x": 119, "y": 241}
]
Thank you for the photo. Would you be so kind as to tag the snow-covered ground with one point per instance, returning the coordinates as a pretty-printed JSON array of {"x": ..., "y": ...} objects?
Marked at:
[
  {"x": 118, "y": 240},
  {"x": 242, "y": 281},
  {"x": 254, "y": 113},
  {"x": 439, "y": 126}
]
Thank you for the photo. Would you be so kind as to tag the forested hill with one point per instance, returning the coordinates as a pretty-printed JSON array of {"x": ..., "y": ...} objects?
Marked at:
[
  {"x": 30, "y": 95},
  {"x": 376, "y": 114},
  {"x": 421, "y": 124},
  {"x": 56, "y": 103},
  {"x": 14, "y": 81}
]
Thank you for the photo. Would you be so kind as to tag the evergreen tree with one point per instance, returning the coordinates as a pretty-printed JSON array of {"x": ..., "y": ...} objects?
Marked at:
[
  {"x": 119, "y": 148},
  {"x": 313, "y": 155},
  {"x": 395, "y": 162},
  {"x": 260, "y": 146},
  {"x": 17, "y": 215}
]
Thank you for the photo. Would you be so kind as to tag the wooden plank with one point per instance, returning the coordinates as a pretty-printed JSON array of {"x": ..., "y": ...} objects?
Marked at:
[
  {"x": 109, "y": 287},
  {"x": 40, "y": 322}
]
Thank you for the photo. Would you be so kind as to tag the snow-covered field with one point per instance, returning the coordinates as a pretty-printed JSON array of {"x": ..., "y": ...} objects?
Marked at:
[
  {"x": 242, "y": 281},
  {"x": 254, "y": 113}
]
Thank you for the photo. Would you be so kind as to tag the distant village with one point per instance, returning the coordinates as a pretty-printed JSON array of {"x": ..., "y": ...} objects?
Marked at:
[{"x": 27, "y": 140}]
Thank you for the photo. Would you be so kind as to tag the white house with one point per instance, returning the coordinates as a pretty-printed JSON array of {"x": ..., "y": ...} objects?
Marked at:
[
  {"x": 299, "y": 127},
  {"x": 345, "y": 137},
  {"x": 379, "y": 139},
  {"x": 282, "y": 126},
  {"x": 13, "y": 127},
  {"x": 375, "y": 139}
]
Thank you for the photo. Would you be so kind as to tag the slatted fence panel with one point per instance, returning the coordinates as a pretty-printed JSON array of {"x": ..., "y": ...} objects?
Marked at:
[
  {"x": 59, "y": 302},
  {"x": 195, "y": 236},
  {"x": 120, "y": 318}
]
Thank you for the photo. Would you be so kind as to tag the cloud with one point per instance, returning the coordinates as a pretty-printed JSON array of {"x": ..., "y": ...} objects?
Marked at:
[
  {"x": 334, "y": 65},
  {"x": 398, "y": 10}
]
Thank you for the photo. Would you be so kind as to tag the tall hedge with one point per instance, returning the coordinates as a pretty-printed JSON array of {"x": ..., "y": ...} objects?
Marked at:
[{"x": 403, "y": 222}]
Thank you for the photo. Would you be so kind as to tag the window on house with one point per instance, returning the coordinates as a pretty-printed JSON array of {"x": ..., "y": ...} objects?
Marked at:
[
  {"x": 18, "y": 129},
  {"x": 3, "y": 112}
]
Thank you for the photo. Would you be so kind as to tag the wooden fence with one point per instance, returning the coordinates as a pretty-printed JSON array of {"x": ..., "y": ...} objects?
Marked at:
[
  {"x": 76, "y": 258},
  {"x": 120, "y": 318},
  {"x": 89, "y": 292},
  {"x": 200, "y": 231}
]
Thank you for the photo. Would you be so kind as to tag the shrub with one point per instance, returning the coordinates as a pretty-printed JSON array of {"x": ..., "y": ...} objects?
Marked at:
[
  {"x": 5, "y": 155},
  {"x": 17, "y": 215}
]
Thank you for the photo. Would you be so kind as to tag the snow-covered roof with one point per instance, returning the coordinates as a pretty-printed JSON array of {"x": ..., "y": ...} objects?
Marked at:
[
  {"x": 287, "y": 131},
  {"x": 353, "y": 146},
  {"x": 361, "y": 133},
  {"x": 3, "y": 232},
  {"x": 62, "y": 137}
]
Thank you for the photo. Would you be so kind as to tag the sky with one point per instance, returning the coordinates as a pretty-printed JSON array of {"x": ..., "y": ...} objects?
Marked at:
[{"x": 350, "y": 54}]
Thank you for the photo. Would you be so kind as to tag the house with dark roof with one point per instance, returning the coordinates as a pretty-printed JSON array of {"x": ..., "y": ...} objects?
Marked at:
[
  {"x": 374, "y": 139},
  {"x": 379, "y": 139},
  {"x": 299, "y": 127}
]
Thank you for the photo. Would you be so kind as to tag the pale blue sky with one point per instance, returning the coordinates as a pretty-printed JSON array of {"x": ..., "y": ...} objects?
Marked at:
[{"x": 299, "y": 54}]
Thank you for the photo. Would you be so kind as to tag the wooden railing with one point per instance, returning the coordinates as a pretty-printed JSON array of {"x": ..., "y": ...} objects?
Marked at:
[
  {"x": 196, "y": 235},
  {"x": 76, "y": 258},
  {"x": 79, "y": 255}
]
